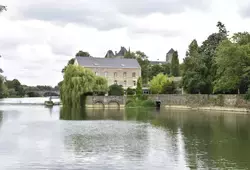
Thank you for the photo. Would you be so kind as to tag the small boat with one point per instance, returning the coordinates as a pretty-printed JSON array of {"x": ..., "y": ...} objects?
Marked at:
[{"x": 49, "y": 103}]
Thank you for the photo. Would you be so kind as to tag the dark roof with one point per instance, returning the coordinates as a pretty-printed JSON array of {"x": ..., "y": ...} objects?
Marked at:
[
  {"x": 122, "y": 52},
  {"x": 157, "y": 62},
  {"x": 110, "y": 54},
  {"x": 107, "y": 62},
  {"x": 171, "y": 51}
]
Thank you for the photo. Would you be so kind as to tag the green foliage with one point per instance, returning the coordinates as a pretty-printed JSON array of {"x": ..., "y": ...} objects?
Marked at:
[
  {"x": 130, "y": 91},
  {"x": 76, "y": 83},
  {"x": 194, "y": 79},
  {"x": 155, "y": 70},
  {"x": 199, "y": 70},
  {"x": 17, "y": 86},
  {"x": 233, "y": 60},
  {"x": 181, "y": 69},
  {"x": 159, "y": 84},
  {"x": 116, "y": 90},
  {"x": 169, "y": 88},
  {"x": 82, "y": 54},
  {"x": 101, "y": 85},
  {"x": 140, "y": 102},
  {"x": 247, "y": 95},
  {"x": 3, "y": 89},
  {"x": 33, "y": 94},
  {"x": 139, "y": 87},
  {"x": 175, "y": 68},
  {"x": 70, "y": 62}
]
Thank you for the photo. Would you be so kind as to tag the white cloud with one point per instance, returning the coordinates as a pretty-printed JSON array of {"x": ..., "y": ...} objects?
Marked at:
[{"x": 37, "y": 38}]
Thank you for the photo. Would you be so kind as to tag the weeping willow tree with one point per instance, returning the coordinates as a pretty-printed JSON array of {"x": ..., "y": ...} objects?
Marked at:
[{"x": 79, "y": 81}]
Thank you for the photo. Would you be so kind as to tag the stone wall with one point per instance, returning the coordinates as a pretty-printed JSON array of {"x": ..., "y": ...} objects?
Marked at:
[
  {"x": 200, "y": 100},
  {"x": 207, "y": 102},
  {"x": 106, "y": 101}
]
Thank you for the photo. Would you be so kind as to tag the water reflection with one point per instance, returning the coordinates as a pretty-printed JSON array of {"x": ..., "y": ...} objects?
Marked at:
[
  {"x": 205, "y": 140},
  {"x": 1, "y": 118},
  {"x": 122, "y": 139}
]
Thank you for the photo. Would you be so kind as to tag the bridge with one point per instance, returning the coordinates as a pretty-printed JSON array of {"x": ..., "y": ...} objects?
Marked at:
[
  {"x": 44, "y": 93},
  {"x": 106, "y": 101}
]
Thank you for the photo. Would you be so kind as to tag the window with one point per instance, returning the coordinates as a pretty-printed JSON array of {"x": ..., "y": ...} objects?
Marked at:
[
  {"x": 125, "y": 83},
  {"x": 124, "y": 75},
  {"x": 106, "y": 74},
  {"x": 134, "y": 83},
  {"x": 115, "y": 74},
  {"x": 115, "y": 82},
  {"x": 133, "y": 74}
]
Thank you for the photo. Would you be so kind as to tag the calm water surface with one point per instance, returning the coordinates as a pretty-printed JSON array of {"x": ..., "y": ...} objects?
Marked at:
[{"x": 36, "y": 137}]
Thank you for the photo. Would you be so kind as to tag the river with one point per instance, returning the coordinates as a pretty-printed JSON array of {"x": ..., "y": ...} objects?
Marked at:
[{"x": 34, "y": 137}]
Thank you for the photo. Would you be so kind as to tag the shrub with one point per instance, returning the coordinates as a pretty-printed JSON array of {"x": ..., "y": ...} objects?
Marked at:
[
  {"x": 169, "y": 88},
  {"x": 130, "y": 91},
  {"x": 116, "y": 90},
  {"x": 148, "y": 103}
]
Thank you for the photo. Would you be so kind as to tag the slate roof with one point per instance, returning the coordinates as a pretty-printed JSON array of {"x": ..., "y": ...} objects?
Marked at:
[
  {"x": 110, "y": 54},
  {"x": 122, "y": 52},
  {"x": 157, "y": 62},
  {"x": 107, "y": 62},
  {"x": 171, "y": 51}
]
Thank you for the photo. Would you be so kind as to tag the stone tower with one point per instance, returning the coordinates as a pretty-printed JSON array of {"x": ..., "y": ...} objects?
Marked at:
[{"x": 169, "y": 55}]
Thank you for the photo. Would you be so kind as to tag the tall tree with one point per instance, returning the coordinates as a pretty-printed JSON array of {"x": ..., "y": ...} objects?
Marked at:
[
  {"x": 77, "y": 82},
  {"x": 194, "y": 71},
  {"x": 208, "y": 50},
  {"x": 139, "y": 87},
  {"x": 16, "y": 86},
  {"x": 3, "y": 88},
  {"x": 82, "y": 54},
  {"x": 175, "y": 68},
  {"x": 70, "y": 62},
  {"x": 233, "y": 61}
]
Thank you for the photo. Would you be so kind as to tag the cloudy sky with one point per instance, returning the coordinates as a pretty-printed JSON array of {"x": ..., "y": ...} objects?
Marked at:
[{"x": 38, "y": 37}]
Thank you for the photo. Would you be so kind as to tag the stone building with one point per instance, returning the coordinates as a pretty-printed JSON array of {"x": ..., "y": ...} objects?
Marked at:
[
  {"x": 169, "y": 56},
  {"x": 119, "y": 71}
]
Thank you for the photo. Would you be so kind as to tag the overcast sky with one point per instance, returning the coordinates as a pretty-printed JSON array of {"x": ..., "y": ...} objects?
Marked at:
[{"x": 38, "y": 37}]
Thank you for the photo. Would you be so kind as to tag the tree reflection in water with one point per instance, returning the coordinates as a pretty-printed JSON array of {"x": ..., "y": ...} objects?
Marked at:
[
  {"x": 210, "y": 140},
  {"x": 1, "y": 118}
]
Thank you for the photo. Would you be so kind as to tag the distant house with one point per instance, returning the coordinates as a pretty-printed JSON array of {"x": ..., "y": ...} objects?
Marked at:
[
  {"x": 119, "y": 71},
  {"x": 169, "y": 56}
]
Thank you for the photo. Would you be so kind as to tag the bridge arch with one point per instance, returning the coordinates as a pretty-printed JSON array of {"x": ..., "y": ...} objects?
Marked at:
[
  {"x": 114, "y": 104},
  {"x": 99, "y": 104}
]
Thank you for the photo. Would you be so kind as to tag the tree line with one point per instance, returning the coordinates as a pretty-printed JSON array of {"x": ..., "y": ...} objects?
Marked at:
[
  {"x": 220, "y": 65},
  {"x": 13, "y": 88}
]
